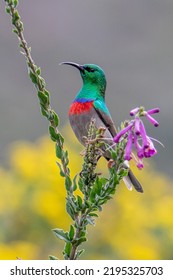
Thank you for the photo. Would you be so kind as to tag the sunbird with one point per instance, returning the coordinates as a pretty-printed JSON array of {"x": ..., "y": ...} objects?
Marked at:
[{"x": 88, "y": 104}]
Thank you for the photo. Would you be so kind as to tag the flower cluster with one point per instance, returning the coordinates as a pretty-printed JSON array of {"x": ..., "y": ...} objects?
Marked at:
[{"x": 136, "y": 136}]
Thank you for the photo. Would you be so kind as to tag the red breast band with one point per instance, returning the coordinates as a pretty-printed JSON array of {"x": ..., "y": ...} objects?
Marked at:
[{"x": 79, "y": 108}]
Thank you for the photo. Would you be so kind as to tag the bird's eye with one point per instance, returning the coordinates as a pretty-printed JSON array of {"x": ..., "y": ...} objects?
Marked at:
[{"x": 89, "y": 69}]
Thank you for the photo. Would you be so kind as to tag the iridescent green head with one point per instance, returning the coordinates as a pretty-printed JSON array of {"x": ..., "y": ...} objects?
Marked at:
[{"x": 92, "y": 75}]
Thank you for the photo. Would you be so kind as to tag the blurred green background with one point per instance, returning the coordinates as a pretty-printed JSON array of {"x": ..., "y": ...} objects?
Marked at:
[{"x": 133, "y": 42}]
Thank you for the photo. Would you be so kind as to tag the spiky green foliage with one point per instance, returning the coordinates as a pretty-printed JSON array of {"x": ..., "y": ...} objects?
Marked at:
[{"x": 95, "y": 190}]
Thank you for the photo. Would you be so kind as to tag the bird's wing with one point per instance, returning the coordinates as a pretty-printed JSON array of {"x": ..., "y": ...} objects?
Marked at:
[{"x": 105, "y": 116}]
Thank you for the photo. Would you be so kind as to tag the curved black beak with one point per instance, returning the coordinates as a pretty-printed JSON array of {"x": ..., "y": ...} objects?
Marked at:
[{"x": 78, "y": 66}]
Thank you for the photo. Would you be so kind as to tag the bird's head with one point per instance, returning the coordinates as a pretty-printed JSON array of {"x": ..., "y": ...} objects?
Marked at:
[{"x": 91, "y": 74}]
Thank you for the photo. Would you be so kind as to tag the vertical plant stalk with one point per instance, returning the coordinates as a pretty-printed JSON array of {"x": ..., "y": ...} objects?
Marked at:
[
  {"x": 87, "y": 179},
  {"x": 95, "y": 190},
  {"x": 38, "y": 81}
]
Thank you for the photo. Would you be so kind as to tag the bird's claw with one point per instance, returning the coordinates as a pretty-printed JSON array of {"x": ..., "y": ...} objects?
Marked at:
[{"x": 111, "y": 163}]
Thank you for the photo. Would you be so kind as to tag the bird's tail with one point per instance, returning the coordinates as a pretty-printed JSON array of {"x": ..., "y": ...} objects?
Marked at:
[{"x": 131, "y": 180}]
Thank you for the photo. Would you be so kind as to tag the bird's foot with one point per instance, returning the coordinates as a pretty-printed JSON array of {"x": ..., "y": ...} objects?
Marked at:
[{"x": 111, "y": 163}]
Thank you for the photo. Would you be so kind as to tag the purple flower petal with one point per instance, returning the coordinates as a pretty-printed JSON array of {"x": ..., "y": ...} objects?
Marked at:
[
  {"x": 151, "y": 150},
  {"x": 139, "y": 148},
  {"x": 122, "y": 132},
  {"x": 137, "y": 125},
  {"x": 152, "y": 120},
  {"x": 150, "y": 153},
  {"x": 140, "y": 153},
  {"x": 135, "y": 134},
  {"x": 128, "y": 149},
  {"x": 140, "y": 165},
  {"x": 143, "y": 135},
  {"x": 134, "y": 111},
  {"x": 153, "y": 111}
]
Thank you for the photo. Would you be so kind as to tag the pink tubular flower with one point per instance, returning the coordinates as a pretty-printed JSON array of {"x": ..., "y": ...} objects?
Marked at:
[
  {"x": 140, "y": 164},
  {"x": 151, "y": 150},
  {"x": 122, "y": 132},
  {"x": 139, "y": 148},
  {"x": 152, "y": 120},
  {"x": 128, "y": 149},
  {"x": 137, "y": 125},
  {"x": 136, "y": 136},
  {"x": 134, "y": 111},
  {"x": 153, "y": 111},
  {"x": 143, "y": 135}
]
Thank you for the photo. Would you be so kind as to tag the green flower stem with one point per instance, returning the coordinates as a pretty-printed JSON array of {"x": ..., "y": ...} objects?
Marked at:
[
  {"x": 43, "y": 94},
  {"x": 95, "y": 190},
  {"x": 91, "y": 156},
  {"x": 77, "y": 236}
]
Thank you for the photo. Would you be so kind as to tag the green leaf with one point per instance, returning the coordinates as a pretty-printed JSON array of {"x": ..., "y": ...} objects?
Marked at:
[
  {"x": 70, "y": 210},
  {"x": 80, "y": 240},
  {"x": 123, "y": 172},
  {"x": 88, "y": 203},
  {"x": 68, "y": 183},
  {"x": 15, "y": 31},
  {"x": 55, "y": 118},
  {"x": 47, "y": 93},
  {"x": 79, "y": 253},
  {"x": 52, "y": 257},
  {"x": 44, "y": 112},
  {"x": 71, "y": 232},
  {"x": 89, "y": 220},
  {"x": 61, "y": 169},
  {"x": 42, "y": 97},
  {"x": 113, "y": 155},
  {"x": 67, "y": 249},
  {"x": 33, "y": 77},
  {"x": 58, "y": 151},
  {"x": 73, "y": 202},
  {"x": 60, "y": 138},
  {"x": 103, "y": 180},
  {"x": 7, "y": 10},
  {"x": 15, "y": 2},
  {"x": 93, "y": 215},
  {"x": 66, "y": 158},
  {"x": 81, "y": 184},
  {"x": 93, "y": 195},
  {"x": 42, "y": 82},
  {"x": 75, "y": 183},
  {"x": 15, "y": 17},
  {"x": 61, "y": 234},
  {"x": 53, "y": 134},
  {"x": 21, "y": 46},
  {"x": 83, "y": 232},
  {"x": 80, "y": 202},
  {"x": 98, "y": 189},
  {"x": 38, "y": 71}
]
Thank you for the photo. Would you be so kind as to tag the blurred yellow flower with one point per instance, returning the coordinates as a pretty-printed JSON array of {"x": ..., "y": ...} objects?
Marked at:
[
  {"x": 32, "y": 201},
  {"x": 18, "y": 250}
]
